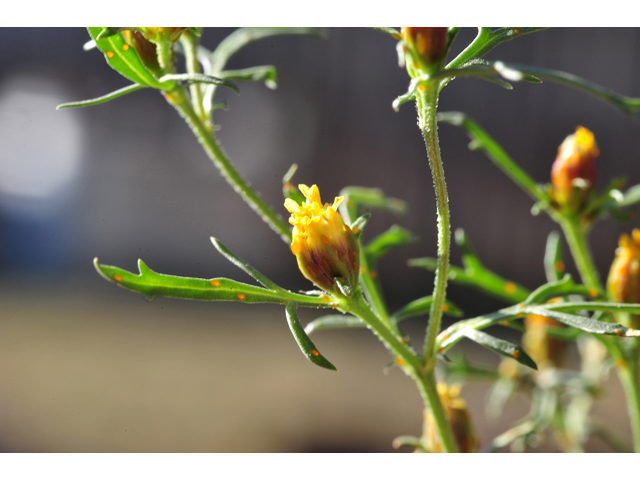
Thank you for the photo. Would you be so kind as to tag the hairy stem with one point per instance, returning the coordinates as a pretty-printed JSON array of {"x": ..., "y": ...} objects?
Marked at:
[
  {"x": 179, "y": 100},
  {"x": 190, "y": 44},
  {"x": 427, "y": 102},
  {"x": 412, "y": 365}
]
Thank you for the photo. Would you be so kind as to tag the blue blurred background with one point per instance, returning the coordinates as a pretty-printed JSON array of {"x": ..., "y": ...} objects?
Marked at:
[{"x": 86, "y": 366}]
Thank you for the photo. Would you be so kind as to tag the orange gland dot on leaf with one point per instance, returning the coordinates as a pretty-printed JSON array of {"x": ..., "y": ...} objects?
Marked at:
[
  {"x": 618, "y": 332},
  {"x": 373, "y": 275},
  {"x": 445, "y": 308},
  {"x": 241, "y": 296},
  {"x": 515, "y": 354},
  {"x": 215, "y": 283},
  {"x": 593, "y": 292},
  {"x": 117, "y": 278},
  {"x": 510, "y": 287},
  {"x": 315, "y": 353},
  {"x": 559, "y": 266},
  {"x": 399, "y": 361},
  {"x": 110, "y": 54},
  {"x": 125, "y": 47}
]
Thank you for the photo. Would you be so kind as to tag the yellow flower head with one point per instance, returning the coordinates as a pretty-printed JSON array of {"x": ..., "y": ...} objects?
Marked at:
[
  {"x": 623, "y": 284},
  {"x": 324, "y": 246},
  {"x": 575, "y": 160}
]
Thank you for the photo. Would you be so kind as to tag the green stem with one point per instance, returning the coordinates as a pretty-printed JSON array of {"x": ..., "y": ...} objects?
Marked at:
[
  {"x": 427, "y": 102},
  {"x": 628, "y": 374},
  {"x": 412, "y": 365},
  {"x": 165, "y": 56},
  {"x": 627, "y": 368},
  {"x": 576, "y": 236},
  {"x": 208, "y": 141},
  {"x": 190, "y": 44}
]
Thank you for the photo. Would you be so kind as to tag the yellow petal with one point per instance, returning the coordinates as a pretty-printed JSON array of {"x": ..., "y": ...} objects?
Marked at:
[
  {"x": 337, "y": 202},
  {"x": 306, "y": 191},
  {"x": 291, "y": 205}
]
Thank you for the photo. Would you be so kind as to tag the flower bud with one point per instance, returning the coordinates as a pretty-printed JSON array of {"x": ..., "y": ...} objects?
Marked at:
[
  {"x": 455, "y": 409},
  {"x": 428, "y": 45},
  {"x": 574, "y": 172},
  {"x": 324, "y": 246},
  {"x": 545, "y": 350},
  {"x": 623, "y": 284},
  {"x": 145, "y": 49},
  {"x": 162, "y": 34}
]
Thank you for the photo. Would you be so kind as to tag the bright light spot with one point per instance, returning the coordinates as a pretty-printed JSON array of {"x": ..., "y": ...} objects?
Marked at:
[{"x": 40, "y": 147}]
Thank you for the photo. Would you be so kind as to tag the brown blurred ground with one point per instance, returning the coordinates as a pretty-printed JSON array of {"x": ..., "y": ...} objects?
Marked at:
[{"x": 85, "y": 373}]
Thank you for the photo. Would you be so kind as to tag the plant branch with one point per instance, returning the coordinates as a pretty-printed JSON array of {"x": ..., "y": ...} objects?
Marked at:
[{"x": 208, "y": 141}]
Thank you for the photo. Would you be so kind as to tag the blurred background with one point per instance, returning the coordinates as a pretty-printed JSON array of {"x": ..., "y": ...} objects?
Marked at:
[{"x": 87, "y": 366}]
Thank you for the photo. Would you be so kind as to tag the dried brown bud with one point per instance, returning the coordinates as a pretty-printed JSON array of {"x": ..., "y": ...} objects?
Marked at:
[
  {"x": 545, "y": 350},
  {"x": 456, "y": 411}
]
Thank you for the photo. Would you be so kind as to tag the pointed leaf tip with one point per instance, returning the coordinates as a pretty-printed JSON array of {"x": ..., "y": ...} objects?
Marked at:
[{"x": 304, "y": 342}]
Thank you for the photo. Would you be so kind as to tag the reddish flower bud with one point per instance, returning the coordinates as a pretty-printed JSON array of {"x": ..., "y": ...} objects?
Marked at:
[
  {"x": 324, "y": 246},
  {"x": 427, "y": 45},
  {"x": 623, "y": 284},
  {"x": 455, "y": 409},
  {"x": 574, "y": 171}
]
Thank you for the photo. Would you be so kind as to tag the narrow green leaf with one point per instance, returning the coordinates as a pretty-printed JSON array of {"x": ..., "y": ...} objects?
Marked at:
[
  {"x": 561, "y": 288},
  {"x": 553, "y": 263},
  {"x": 628, "y": 105},
  {"x": 630, "y": 197},
  {"x": 469, "y": 258},
  {"x": 501, "y": 347},
  {"x": 244, "y": 266},
  {"x": 197, "y": 78},
  {"x": 125, "y": 60},
  {"x": 370, "y": 198},
  {"x": 304, "y": 342},
  {"x": 288, "y": 190},
  {"x": 244, "y": 36},
  {"x": 334, "y": 321},
  {"x": 487, "y": 40},
  {"x": 495, "y": 153},
  {"x": 393, "y": 238},
  {"x": 421, "y": 306},
  {"x": 452, "y": 335},
  {"x": 460, "y": 369},
  {"x": 358, "y": 226},
  {"x": 389, "y": 30},
  {"x": 103, "y": 99},
  {"x": 151, "y": 284},
  {"x": 483, "y": 279},
  {"x": 594, "y": 307},
  {"x": 263, "y": 73},
  {"x": 585, "y": 324}
]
